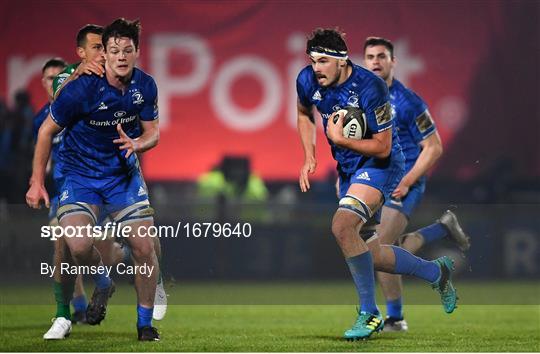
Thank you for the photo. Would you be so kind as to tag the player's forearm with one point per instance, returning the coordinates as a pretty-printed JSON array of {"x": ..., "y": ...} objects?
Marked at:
[
  {"x": 307, "y": 132},
  {"x": 41, "y": 157},
  {"x": 368, "y": 147},
  {"x": 426, "y": 159}
]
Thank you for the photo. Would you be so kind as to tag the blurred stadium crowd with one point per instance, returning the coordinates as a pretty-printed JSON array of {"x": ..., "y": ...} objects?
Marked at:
[{"x": 16, "y": 147}]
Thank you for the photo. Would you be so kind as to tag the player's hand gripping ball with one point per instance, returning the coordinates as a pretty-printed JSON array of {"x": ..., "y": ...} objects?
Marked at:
[{"x": 354, "y": 122}]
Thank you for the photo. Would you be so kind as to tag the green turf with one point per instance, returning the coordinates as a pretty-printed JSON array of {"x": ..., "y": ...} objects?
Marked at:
[
  {"x": 254, "y": 328},
  {"x": 292, "y": 293}
]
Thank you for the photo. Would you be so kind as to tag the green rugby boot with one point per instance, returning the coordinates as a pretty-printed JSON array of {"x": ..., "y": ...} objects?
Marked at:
[
  {"x": 364, "y": 326},
  {"x": 444, "y": 284}
]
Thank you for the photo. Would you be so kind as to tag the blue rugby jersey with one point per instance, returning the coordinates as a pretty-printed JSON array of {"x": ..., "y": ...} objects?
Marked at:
[
  {"x": 39, "y": 118},
  {"x": 412, "y": 120},
  {"x": 89, "y": 109},
  {"x": 362, "y": 89}
]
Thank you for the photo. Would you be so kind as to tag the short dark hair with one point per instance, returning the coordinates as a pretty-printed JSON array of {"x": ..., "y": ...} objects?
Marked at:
[
  {"x": 54, "y": 63},
  {"x": 326, "y": 38},
  {"x": 122, "y": 28},
  {"x": 81, "y": 35},
  {"x": 373, "y": 41}
]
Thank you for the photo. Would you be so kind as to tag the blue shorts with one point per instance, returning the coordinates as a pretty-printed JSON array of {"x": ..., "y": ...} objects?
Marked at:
[
  {"x": 409, "y": 203},
  {"x": 110, "y": 194},
  {"x": 383, "y": 179}
]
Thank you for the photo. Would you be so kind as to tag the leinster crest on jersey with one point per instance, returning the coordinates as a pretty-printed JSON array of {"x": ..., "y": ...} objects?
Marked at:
[
  {"x": 137, "y": 98},
  {"x": 352, "y": 101}
]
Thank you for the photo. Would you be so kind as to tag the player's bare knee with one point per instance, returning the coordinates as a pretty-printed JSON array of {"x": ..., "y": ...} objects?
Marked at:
[
  {"x": 344, "y": 227},
  {"x": 80, "y": 250},
  {"x": 143, "y": 251},
  {"x": 338, "y": 228}
]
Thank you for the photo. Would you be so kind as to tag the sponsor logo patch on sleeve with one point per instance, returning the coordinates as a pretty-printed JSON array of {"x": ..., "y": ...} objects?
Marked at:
[
  {"x": 424, "y": 121},
  {"x": 383, "y": 113}
]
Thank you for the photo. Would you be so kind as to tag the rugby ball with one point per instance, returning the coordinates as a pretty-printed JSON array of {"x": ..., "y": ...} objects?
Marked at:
[{"x": 354, "y": 122}]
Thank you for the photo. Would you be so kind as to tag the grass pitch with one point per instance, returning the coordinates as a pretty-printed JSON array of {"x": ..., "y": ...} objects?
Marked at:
[{"x": 274, "y": 328}]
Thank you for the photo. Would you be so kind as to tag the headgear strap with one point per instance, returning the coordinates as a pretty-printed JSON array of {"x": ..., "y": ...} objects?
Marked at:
[{"x": 327, "y": 52}]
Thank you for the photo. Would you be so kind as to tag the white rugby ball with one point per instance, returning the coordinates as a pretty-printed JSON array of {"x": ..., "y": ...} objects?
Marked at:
[{"x": 354, "y": 122}]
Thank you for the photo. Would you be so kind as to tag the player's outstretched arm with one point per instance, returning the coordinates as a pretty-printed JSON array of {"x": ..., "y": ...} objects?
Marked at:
[
  {"x": 307, "y": 130},
  {"x": 379, "y": 146},
  {"x": 431, "y": 151},
  {"x": 92, "y": 67},
  {"x": 37, "y": 191},
  {"x": 148, "y": 139}
]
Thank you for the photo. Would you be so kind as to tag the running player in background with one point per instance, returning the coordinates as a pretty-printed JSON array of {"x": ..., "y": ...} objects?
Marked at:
[
  {"x": 107, "y": 121},
  {"x": 422, "y": 147},
  {"x": 369, "y": 170},
  {"x": 50, "y": 70}
]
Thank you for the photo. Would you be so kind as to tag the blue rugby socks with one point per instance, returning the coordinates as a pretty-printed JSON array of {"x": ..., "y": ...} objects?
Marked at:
[
  {"x": 433, "y": 232},
  {"x": 407, "y": 263},
  {"x": 394, "y": 308},
  {"x": 102, "y": 280},
  {"x": 144, "y": 316},
  {"x": 361, "y": 268},
  {"x": 79, "y": 303}
]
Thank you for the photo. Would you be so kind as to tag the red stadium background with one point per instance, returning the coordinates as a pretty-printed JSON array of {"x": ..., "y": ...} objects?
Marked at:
[{"x": 226, "y": 73}]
